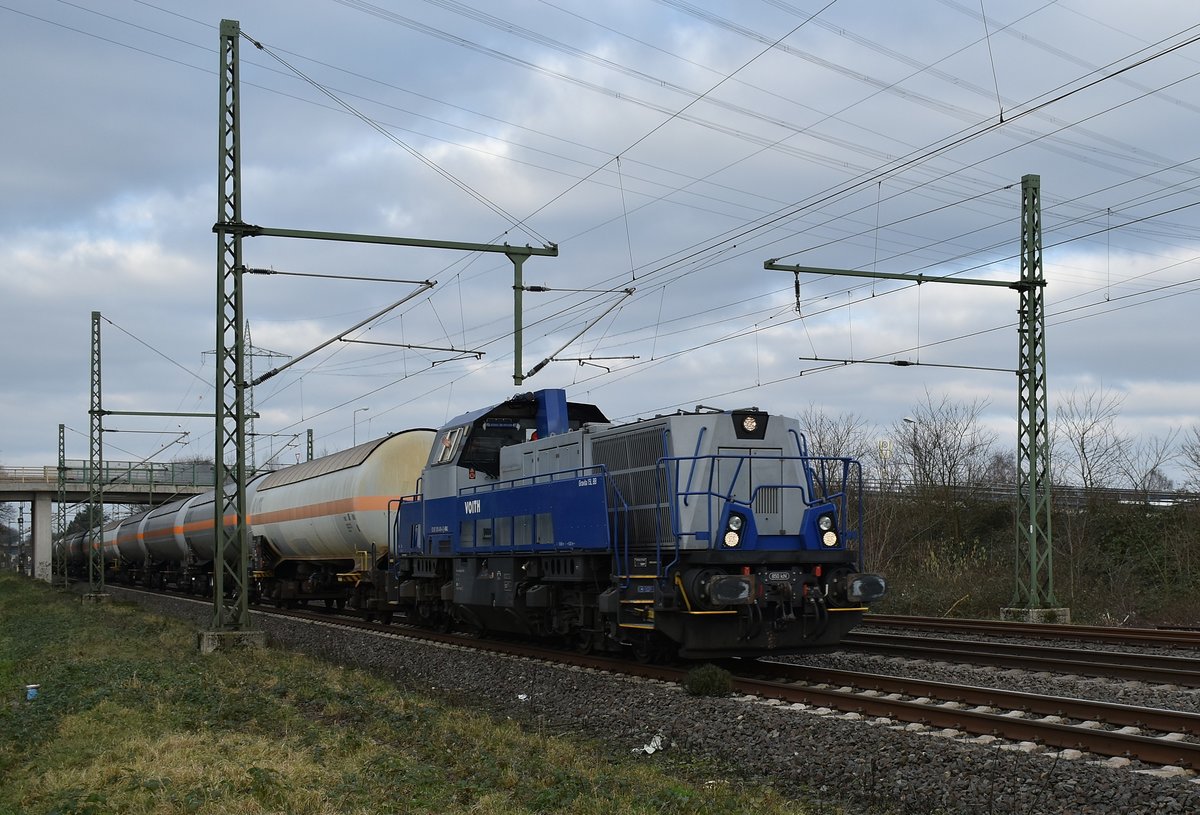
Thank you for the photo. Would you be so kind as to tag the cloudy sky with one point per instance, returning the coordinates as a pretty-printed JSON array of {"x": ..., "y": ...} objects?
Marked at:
[{"x": 665, "y": 146}]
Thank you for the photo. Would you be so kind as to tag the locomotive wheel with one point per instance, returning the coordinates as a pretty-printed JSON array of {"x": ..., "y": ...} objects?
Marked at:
[
  {"x": 644, "y": 649},
  {"x": 653, "y": 648},
  {"x": 583, "y": 642}
]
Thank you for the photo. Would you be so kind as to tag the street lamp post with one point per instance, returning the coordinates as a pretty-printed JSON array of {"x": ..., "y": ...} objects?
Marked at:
[
  {"x": 909, "y": 420},
  {"x": 355, "y": 423}
]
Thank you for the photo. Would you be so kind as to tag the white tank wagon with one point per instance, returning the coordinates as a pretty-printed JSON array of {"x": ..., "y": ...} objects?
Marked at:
[
  {"x": 321, "y": 527},
  {"x": 108, "y": 543},
  {"x": 128, "y": 540},
  {"x": 197, "y": 525},
  {"x": 162, "y": 531}
]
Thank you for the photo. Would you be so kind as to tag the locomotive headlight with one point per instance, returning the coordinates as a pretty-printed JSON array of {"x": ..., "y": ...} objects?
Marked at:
[
  {"x": 825, "y": 523},
  {"x": 829, "y": 538},
  {"x": 749, "y": 424},
  {"x": 733, "y": 530}
]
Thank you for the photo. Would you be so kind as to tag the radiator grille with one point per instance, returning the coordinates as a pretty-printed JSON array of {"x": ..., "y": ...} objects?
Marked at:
[
  {"x": 766, "y": 501},
  {"x": 632, "y": 463}
]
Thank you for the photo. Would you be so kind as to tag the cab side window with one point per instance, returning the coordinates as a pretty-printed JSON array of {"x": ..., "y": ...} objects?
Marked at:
[{"x": 448, "y": 444}]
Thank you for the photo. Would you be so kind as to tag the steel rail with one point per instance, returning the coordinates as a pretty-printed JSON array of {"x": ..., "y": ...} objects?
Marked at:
[
  {"x": 1112, "y": 713},
  {"x": 1091, "y": 633},
  {"x": 1101, "y": 742},
  {"x": 1149, "y": 668}
]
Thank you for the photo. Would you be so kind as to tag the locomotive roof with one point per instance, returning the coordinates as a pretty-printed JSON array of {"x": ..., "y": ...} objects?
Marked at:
[{"x": 525, "y": 406}]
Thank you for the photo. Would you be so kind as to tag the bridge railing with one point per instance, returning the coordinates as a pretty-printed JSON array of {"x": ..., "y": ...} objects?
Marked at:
[
  {"x": 1061, "y": 494},
  {"x": 117, "y": 473}
]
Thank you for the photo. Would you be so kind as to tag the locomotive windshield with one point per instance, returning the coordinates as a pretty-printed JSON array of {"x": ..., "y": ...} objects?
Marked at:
[{"x": 482, "y": 449}]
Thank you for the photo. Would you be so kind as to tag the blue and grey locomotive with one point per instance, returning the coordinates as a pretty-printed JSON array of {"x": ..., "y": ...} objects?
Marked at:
[{"x": 707, "y": 533}]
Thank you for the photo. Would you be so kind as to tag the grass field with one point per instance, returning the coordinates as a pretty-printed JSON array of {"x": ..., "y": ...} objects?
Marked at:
[{"x": 130, "y": 718}]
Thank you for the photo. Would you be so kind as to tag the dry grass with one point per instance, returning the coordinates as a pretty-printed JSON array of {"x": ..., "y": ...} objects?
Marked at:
[{"x": 132, "y": 720}]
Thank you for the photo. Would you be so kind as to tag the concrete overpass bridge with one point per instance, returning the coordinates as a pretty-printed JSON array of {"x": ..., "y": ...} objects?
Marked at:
[{"x": 125, "y": 482}]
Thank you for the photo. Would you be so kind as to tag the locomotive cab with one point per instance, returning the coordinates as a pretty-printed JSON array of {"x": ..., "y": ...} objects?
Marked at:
[{"x": 472, "y": 448}]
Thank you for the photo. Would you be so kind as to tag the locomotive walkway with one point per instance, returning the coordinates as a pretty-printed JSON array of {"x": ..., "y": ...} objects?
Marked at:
[{"x": 125, "y": 482}]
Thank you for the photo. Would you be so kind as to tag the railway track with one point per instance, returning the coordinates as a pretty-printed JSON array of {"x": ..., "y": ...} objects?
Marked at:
[
  {"x": 1144, "y": 734},
  {"x": 1161, "y": 637},
  {"x": 1150, "y": 735},
  {"x": 1140, "y": 667}
]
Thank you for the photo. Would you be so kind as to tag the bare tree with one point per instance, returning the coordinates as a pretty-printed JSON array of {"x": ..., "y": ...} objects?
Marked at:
[
  {"x": 1091, "y": 449},
  {"x": 947, "y": 450},
  {"x": 844, "y": 434},
  {"x": 1189, "y": 457},
  {"x": 1142, "y": 463},
  {"x": 945, "y": 444},
  {"x": 1001, "y": 469}
]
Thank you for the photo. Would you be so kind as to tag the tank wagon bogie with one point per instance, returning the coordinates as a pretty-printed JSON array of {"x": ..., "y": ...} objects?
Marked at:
[{"x": 708, "y": 533}]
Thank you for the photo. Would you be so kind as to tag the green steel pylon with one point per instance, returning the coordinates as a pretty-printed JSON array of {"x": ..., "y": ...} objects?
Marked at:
[
  {"x": 94, "y": 538},
  {"x": 231, "y": 555},
  {"x": 1035, "y": 567},
  {"x": 1035, "y": 563}
]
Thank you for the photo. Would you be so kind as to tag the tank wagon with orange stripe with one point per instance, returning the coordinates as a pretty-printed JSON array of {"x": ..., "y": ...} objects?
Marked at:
[
  {"x": 704, "y": 533},
  {"x": 318, "y": 530}
]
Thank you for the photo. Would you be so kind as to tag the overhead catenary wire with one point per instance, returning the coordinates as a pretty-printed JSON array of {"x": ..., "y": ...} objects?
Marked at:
[
  {"x": 387, "y": 134},
  {"x": 663, "y": 289}
]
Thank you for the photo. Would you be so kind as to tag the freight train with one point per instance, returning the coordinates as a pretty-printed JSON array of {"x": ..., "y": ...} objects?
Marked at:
[{"x": 700, "y": 534}]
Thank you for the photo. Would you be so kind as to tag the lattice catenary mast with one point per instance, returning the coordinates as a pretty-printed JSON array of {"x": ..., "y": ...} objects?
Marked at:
[{"x": 1034, "y": 564}]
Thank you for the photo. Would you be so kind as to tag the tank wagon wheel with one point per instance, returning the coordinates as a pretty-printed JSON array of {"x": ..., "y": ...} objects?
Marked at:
[{"x": 385, "y": 617}]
